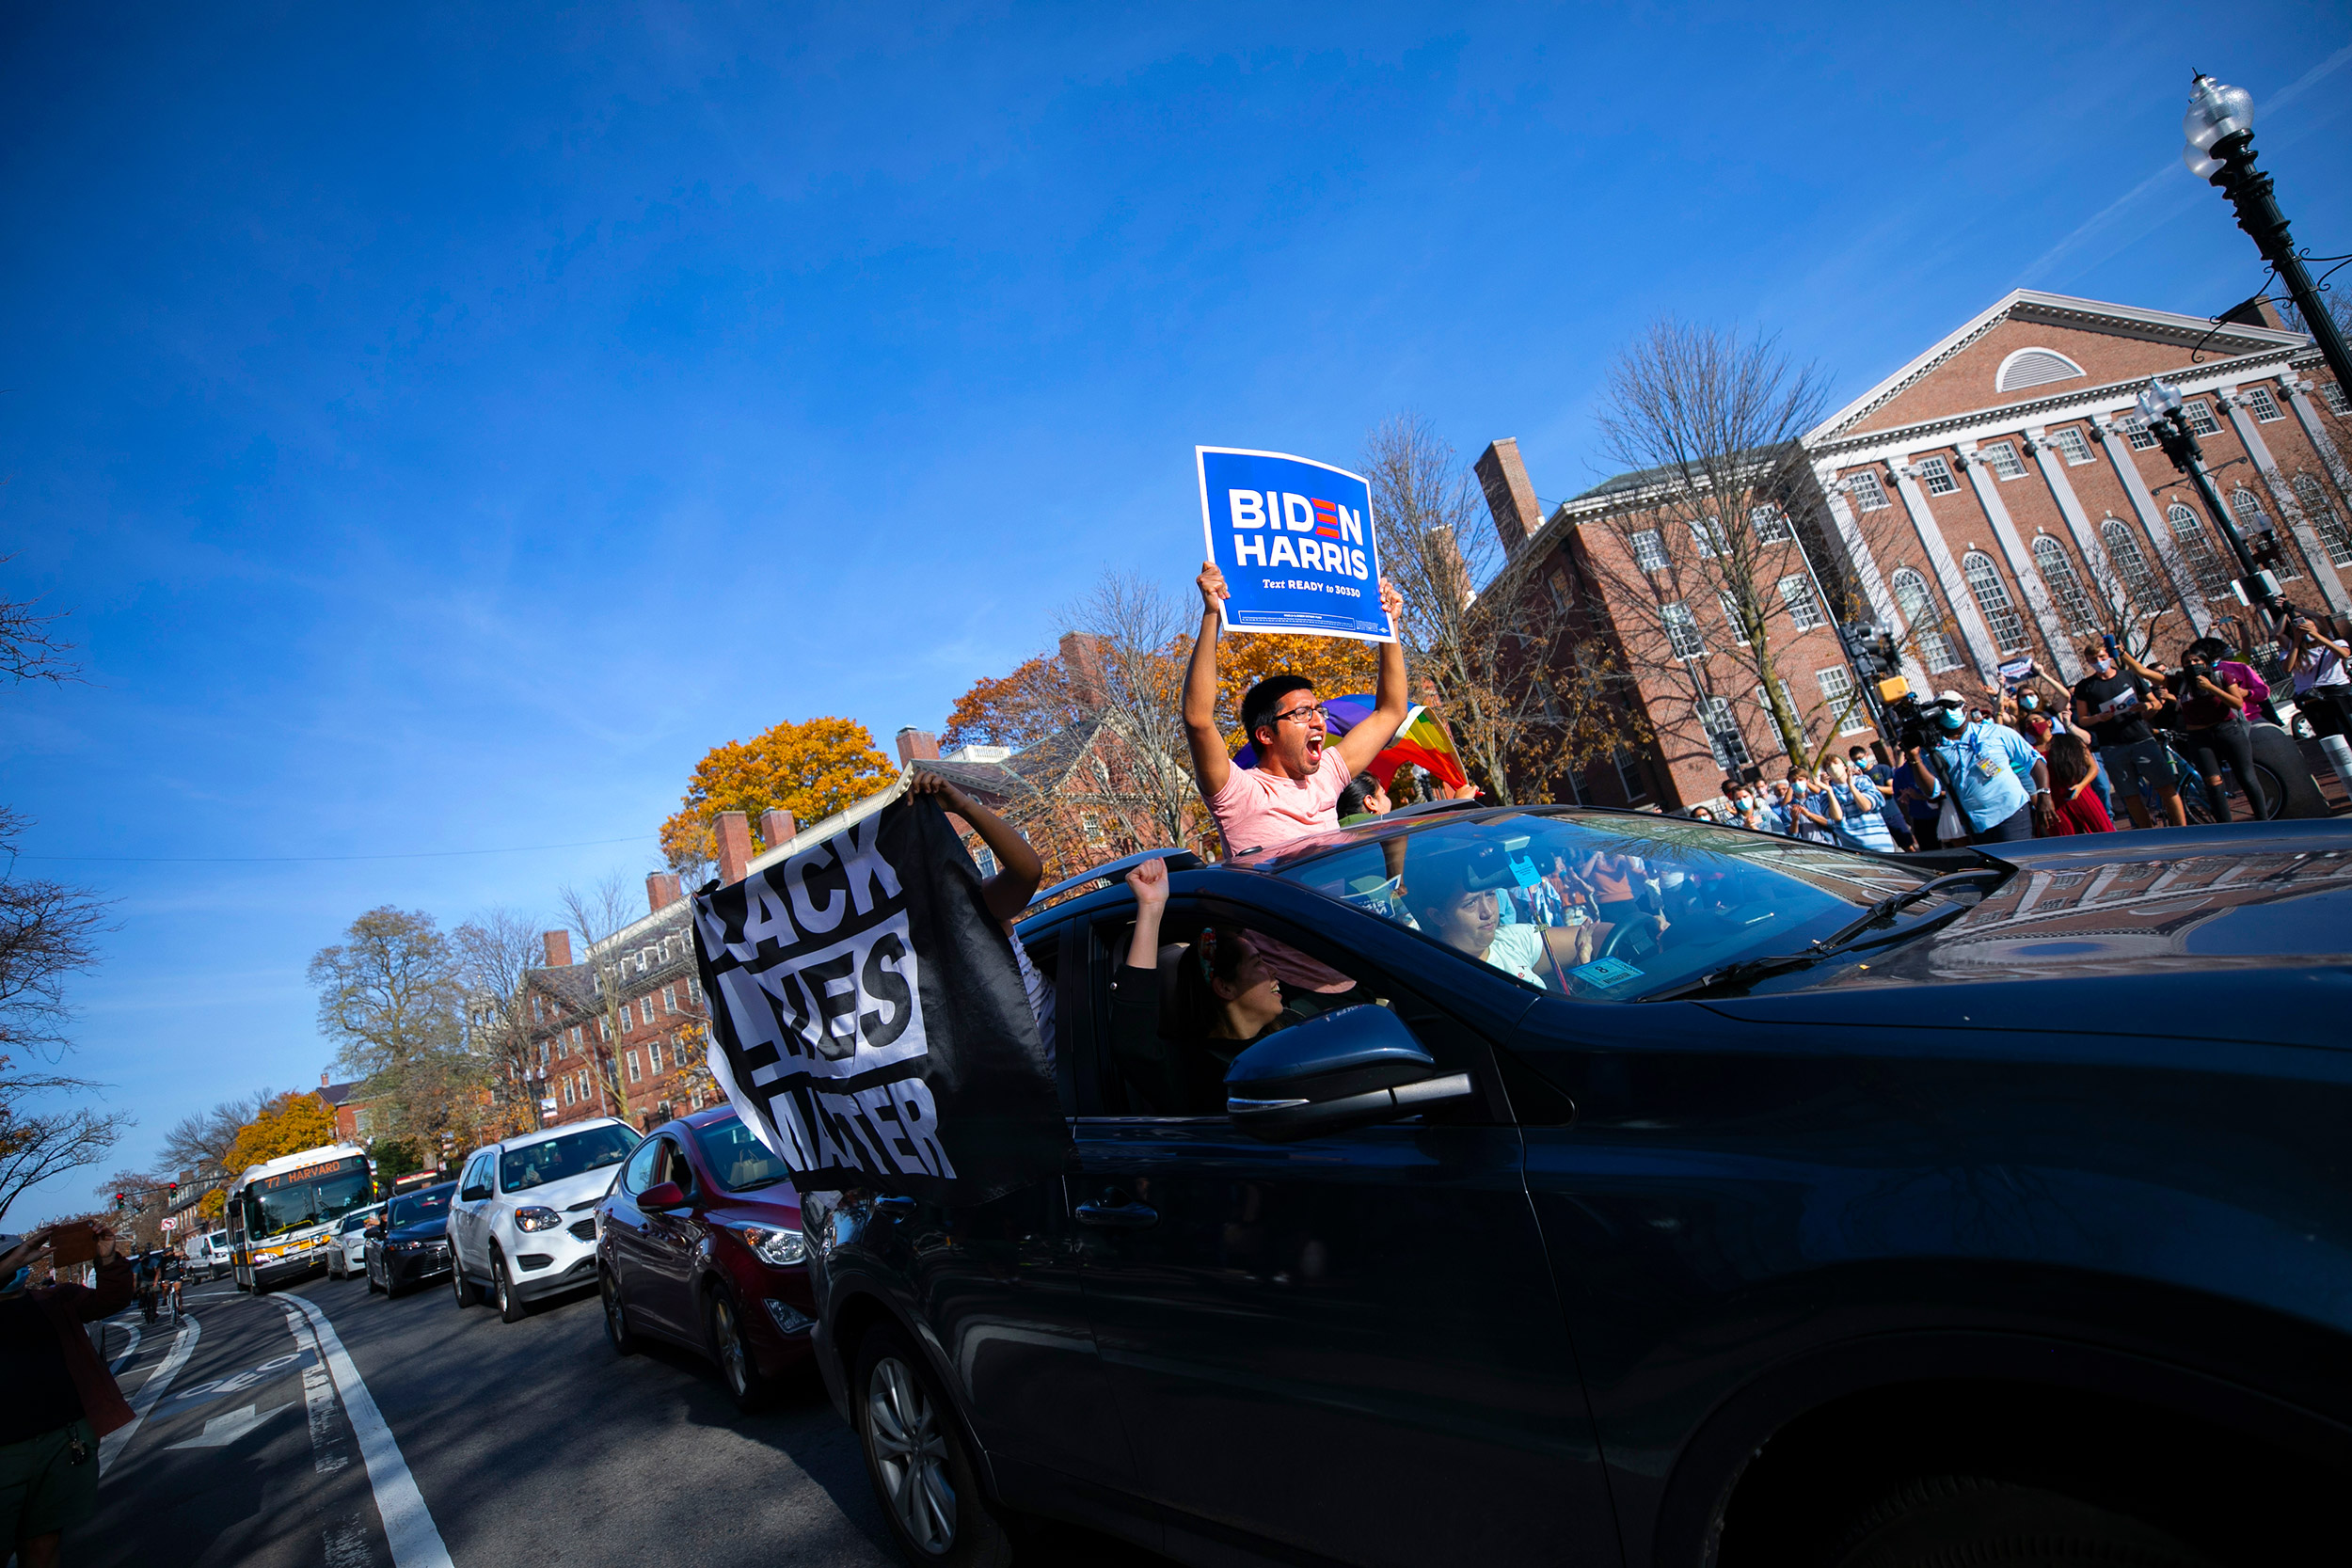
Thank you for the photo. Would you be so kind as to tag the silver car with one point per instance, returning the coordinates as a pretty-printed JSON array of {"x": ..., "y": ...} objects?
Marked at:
[{"x": 347, "y": 1255}]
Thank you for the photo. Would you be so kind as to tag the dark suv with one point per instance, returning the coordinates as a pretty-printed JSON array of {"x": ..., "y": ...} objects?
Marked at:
[{"x": 1810, "y": 1207}]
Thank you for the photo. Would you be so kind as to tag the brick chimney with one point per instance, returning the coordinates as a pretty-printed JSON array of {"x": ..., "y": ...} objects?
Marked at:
[
  {"x": 1510, "y": 494},
  {"x": 1082, "y": 662},
  {"x": 917, "y": 745},
  {"x": 777, "y": 826},
  {"x": 661, "y": 891},
  {"x": 559, "y": 949},
  {"x": 735, "y": 846},
  {"x": 322, "y": 1080}
]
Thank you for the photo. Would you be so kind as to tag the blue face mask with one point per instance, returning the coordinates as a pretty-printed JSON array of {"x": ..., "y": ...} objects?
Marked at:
[{"x": 1953, "y": 718}]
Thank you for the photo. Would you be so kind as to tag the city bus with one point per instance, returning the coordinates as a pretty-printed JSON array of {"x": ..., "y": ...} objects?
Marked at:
[{"x": 281, "y": 1213}]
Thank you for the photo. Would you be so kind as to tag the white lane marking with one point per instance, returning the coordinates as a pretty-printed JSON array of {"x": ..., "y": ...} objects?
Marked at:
[
  {"x": 408, "y": 1527},
  {"x": 318, "y": 1395},
  {"x": 221, "y": 1431},
  {"x": 128, "y": 1350},
  {"x": 182, "y": 1345}
]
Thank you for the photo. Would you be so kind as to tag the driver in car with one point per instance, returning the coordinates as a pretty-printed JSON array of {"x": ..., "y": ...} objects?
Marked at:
[{"x": 1453, "y": 895}]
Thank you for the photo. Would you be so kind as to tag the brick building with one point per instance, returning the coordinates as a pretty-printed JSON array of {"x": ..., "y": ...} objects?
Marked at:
[
  {"x": 628, "y": 1012},
  {"x": 1993, "y": 500}
]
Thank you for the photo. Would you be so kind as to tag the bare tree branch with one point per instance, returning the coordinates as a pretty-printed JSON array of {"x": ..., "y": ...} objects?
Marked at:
[{"x": 598, "y": 912}]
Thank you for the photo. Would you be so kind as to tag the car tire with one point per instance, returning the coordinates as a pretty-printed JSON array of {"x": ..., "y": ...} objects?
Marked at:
[
  {"x": 738, "y": 1368},
  {"x": 1932, "y": 1520},
  {"x": 511, "y": 1307},
  {"x": 459, "y": 1286},
  {"x": 924, "y": 1479},
  {"x": 369, "y": 1275},
  {"x": 616, "y": 1330}
]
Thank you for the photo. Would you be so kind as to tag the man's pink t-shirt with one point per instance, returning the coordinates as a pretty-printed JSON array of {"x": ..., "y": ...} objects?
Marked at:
[{"x": 1258, "y": 810}]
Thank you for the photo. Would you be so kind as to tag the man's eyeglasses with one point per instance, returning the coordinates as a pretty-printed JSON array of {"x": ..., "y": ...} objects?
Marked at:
[{"x": 1310, "y": 714}]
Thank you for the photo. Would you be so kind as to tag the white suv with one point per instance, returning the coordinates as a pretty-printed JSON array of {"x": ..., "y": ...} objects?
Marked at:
[{"x": 523, "y": 1223}]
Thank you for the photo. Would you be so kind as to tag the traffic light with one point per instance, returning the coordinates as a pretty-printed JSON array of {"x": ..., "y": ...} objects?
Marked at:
[
  {"x": 118, "y": 1202},
  {"x": 175, "y": 1188}
]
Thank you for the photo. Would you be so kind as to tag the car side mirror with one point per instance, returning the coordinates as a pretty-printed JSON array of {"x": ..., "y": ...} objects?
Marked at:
[
  {"x": 661, "y": 1196},
  {"x": 1340, "y": 1069}
]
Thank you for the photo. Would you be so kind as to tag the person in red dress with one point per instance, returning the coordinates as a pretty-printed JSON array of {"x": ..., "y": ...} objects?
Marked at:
[{"x": 2071, "y": 780}]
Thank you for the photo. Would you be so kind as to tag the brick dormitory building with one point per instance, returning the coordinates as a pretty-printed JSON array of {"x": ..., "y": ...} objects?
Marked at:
[{"x": 1995, "y": 500}]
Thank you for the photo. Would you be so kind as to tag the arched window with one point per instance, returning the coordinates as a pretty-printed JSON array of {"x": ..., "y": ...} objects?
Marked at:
[
  {"x": 2253, "y": 520},
  {"x": 2131, "y": 564},
  {"x": 2033, "y": 367},
  {"x": 1918, "y": 608},
  {"x": 2324, "y": 521},
  {"x": 2198, "y": 550},
  {"x": 2000, "y": 612},
  {"x": 2057, "y": 569}
]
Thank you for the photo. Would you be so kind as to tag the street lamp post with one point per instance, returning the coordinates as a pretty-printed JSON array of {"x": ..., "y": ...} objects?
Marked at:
[
  {"x": 2220, "y": 129},
  {"x": 2161, "y": 405}
]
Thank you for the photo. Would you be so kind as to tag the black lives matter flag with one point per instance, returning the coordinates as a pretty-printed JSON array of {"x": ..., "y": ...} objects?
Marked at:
[{"x": 868, "y": 1021}]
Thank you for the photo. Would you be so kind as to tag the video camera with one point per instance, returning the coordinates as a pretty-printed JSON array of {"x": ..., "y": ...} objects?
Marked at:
[{"x": 1916, "y": 723}]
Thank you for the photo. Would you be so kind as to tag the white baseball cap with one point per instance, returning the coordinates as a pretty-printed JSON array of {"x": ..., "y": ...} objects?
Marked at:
[{"x": 1954, "y": 698}]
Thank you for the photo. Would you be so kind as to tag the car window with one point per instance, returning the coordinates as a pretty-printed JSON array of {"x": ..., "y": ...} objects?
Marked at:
[
  {"x": 669, "y": 1164},
  {"x": 1168, "y": 1035},
  {"x": 476, "y": 1183},
  {"x": 572, "y": 1154},
  {"x": 638, "y": 1174},
  {"x": 1608, "y": 908},
  {"x": 414, "y": 1207},
  {"x": 737, "y": 1160}
]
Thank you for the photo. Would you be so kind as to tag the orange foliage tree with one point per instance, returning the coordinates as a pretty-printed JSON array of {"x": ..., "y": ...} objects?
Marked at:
[
  {"x": 811, "y": 770},
  {"x": 1337, "y": 665},
  {"x": 287, "y": 1125},
  {"x": 1016, "y": 710}
]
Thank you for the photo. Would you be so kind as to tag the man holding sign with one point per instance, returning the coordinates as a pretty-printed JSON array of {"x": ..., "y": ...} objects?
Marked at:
[{"x": 1295, "y": 789}]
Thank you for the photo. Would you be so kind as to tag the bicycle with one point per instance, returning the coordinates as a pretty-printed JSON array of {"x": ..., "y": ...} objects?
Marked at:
[{"x": 2196, "y": 804}]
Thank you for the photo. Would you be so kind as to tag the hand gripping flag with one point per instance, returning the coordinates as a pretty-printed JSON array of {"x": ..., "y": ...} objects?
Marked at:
[{"x": 867, "y": 1018}]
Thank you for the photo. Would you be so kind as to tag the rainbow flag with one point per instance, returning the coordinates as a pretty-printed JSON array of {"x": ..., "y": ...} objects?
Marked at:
[{"x": 1420, "y": 741}]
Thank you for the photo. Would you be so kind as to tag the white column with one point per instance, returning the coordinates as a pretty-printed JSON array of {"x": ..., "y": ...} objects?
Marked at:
[
  {"x": 2152, "y": 524},
  {"x": 2282, "y": 494},
  {"x": 2299, "y": 391},
  {"x": 1882, "y": 606},
  {"x": 2054, "y": 633},
  {"x": 1947, "y": 570}
]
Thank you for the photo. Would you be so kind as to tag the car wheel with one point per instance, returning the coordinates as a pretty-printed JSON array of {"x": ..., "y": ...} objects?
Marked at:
[
  {"x": 1950, "y": 1519},
  {"x": 616, "y": 1316},
  {"x": 511, "y": 1307},
  {"x": 459, "y": 1286},
  {"x": 916, "y": 1458},
  {"x": 367, "y": 1271},
  {"x": 733, "y": 1352}
]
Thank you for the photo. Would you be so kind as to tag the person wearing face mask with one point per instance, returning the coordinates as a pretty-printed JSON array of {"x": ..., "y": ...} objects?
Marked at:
[
  {"x": 2113, "y": 704},
  {"x": 60, "y": 1399},
  {"x": 1982, "y": 765}
]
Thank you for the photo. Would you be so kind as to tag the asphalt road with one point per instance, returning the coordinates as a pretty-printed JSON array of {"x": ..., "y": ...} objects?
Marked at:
[{"x": 375, "y": 1433}]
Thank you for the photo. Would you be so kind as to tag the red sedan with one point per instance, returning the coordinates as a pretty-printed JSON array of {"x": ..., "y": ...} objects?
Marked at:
[{"x": 699, "y": 1242}]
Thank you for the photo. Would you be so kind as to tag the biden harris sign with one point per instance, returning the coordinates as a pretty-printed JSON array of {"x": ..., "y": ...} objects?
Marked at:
[{"x": 1295, "y": 540}]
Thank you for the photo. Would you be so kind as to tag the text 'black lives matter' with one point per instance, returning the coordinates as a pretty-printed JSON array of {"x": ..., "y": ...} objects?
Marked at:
[{"x": 868, "y": 1021}]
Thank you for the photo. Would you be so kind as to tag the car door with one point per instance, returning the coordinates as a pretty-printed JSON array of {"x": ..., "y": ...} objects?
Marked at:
[
  {"x": 629, "y": 1246},
  {"x": 470, "y": 1250},
  {"x": 1350, "y": 1345},
  {"x": 662, "y": 1294}
]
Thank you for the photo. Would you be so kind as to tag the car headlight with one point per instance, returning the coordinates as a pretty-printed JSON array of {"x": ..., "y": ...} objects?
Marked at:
[
  {"x": 533, "y": 1217},
  {"x": 780, "y": 1247}
]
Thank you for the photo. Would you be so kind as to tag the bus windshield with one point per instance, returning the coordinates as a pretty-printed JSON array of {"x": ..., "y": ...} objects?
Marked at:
[{"x": 281, "y": 1204}]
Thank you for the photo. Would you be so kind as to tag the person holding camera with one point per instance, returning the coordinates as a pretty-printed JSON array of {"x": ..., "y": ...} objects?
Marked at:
[
  {"x": 2113, "y": 704},
  {"x": 60, "y": 1401},
  {"x": 1983, "y": 768},
  {"x": 2212, "y": 698},
  {"x": 2323, "y": 689}
]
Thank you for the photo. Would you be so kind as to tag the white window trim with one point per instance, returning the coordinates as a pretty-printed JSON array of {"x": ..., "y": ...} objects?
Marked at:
[
  {"x": 1854, "y": 483},
  {"x": 1649, "y": 557},
  {"x": 2260, "y": 398},
  {"x": 1686, "y": 621},
  {"x": 2001, "y": 457},
  {"x": 2072, "y": 445},
  {"x": 1937, "y": 476}
]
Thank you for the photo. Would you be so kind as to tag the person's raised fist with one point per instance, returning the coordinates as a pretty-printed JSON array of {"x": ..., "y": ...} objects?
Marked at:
[
  {"x": 1211, "y": 585},
  {"x": 1393, "y": 605},
  {"x": 1150, "y": 880}
]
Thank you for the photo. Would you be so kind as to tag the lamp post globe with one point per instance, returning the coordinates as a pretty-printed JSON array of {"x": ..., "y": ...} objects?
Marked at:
[
  {"x": 2159, "y": 398},
  {"x": 2219, "y": 126}
]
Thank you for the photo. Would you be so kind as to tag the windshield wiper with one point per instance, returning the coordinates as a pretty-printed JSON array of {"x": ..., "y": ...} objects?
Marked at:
[{"x": 1846, "y": 939}]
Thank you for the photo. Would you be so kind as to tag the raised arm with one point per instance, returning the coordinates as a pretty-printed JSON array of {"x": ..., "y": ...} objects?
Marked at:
[
  {"x": 1210, "y": 764},
  {"x": 1150, "y": 882},
  {"x": 1006, "y": 894},
  {"x": 1359, "y": 746}
]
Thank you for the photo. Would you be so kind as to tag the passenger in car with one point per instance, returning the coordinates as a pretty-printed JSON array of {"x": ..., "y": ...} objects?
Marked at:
[
  {"x": 1223, "y": 997},
  {"x": 1455, "y": 897}
]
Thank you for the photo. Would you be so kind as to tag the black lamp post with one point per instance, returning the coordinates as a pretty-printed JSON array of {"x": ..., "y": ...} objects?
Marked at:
[
  {"x": 2220, "y": 129},
  {"x": 2161, "y": 405}
]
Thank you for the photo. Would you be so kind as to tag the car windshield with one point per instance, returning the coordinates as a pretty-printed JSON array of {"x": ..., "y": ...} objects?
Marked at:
[
  {"x": 358, "y": 1218},
  {"x": 1603, "y": 906},
  {"x": 735, "y": 1158},
  {"x": 419, "y": 1206},
  {"x": 276, "y": 1211},
  {"x": 572, "y": 1154}
]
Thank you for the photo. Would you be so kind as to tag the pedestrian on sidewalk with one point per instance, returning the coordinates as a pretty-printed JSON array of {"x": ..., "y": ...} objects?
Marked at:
[
  {"x": 2323, "y": 687},
  {"x": 60, "y": 1399}
]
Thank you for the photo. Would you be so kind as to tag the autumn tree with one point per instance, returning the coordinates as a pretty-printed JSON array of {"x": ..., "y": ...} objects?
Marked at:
[
  {"x": 811, "y": 770},
  {"x": 1524, "y": 698},
  {"x": 496, "y": 951},
  {"x": 391, "y": 996},
  {"x": 1014, "y": 711},
  {"x": 597, "y": 912},
  {"x": 288, "y": 1124}
]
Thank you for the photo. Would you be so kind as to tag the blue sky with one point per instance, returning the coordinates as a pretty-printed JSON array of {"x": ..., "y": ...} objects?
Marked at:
[{"x": 444, "y": 426}]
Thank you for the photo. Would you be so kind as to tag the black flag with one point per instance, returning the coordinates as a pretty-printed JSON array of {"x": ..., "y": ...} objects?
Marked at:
[{"x": 868, "y": 1021}]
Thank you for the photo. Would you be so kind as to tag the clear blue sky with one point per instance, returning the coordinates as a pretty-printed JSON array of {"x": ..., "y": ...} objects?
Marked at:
[{"x": 445, "y": 423}]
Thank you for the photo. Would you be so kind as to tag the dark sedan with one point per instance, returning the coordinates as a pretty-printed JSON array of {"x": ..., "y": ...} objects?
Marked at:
[
  {"x": 411, "y": 1243},
  {"x": 1808, "y": 1206},
  {"x": 699, "y": 1243}
]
